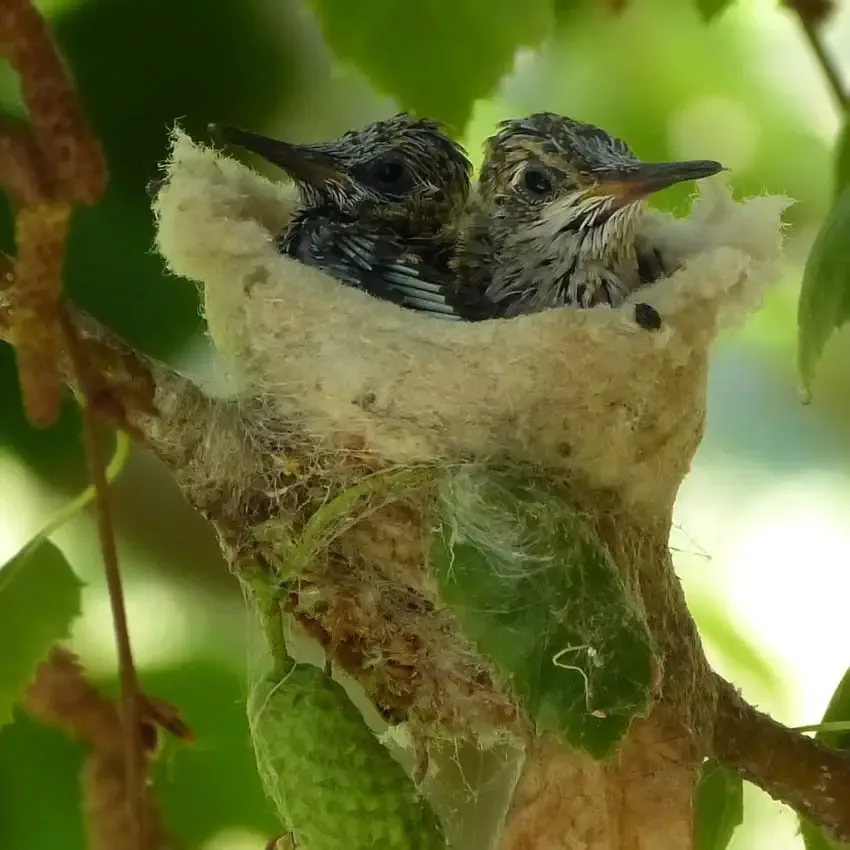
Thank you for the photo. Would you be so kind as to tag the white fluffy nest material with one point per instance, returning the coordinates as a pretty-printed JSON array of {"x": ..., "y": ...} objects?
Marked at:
[{"x": 588, "y": 392}]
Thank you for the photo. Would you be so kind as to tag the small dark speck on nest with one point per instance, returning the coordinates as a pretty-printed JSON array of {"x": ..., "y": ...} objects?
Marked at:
[{"x": 647, "y": 317}]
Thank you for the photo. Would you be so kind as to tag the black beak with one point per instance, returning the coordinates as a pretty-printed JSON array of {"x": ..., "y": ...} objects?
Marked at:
[
  {"x": 632, "y": 184},
  {"x": 303, "y": 163}
]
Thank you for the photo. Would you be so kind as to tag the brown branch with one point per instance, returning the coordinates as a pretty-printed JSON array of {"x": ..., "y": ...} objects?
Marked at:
[
  {"x": 118, "y": 387},
  {"x": 61, "y": 696},
  {"x": 127, "y": 391},
  {"x": 41, "y": 231},
  {"x": 130, "y": 689},
  {"x": 797, "y": 770},
  {"x": 812, "y": 14},
  {"x": 23, "y": 173},
  {"x": 59, "y": 163},
  {"x": 167, "y": 414},
  {"x": 41, "y": 228}
]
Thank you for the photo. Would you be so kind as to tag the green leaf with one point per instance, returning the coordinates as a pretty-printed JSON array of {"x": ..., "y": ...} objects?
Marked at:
[
  {"x": 539, "y": 595},
  {"x": 711, "y": 9},
  {"x": 39, "y": 599},
  {"x": 837, "y": 712},
  {"x": 435, "y": 59},
  {"x": 842, "y": 161},
  {"x": 825, "y": 295},
  {"x": 719, "y": 807}
]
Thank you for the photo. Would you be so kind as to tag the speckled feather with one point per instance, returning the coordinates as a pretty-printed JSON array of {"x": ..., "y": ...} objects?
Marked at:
[
  {"x": 395, "y": 245},
  {"x": 570, "y": 246}
]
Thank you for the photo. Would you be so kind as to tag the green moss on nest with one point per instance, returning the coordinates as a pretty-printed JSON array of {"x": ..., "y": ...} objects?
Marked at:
[{"x": 538, "y": 593}]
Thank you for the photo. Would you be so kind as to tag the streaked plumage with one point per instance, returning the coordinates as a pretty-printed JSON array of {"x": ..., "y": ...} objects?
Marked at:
[
  {"x": 380, "y": 209},
  {"x": 556, "y": 218}
]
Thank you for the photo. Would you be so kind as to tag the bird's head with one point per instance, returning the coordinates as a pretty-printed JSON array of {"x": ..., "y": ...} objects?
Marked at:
[
  {"x": 551, "y": 172},
  {"x": 402, "y": 168}
]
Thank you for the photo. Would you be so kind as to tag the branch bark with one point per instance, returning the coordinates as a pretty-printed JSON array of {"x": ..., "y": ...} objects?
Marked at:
[
  {"x": 170, "y": 416},
  {"x": 797, "y": 770},
  {"x": 812, "y": 15}
]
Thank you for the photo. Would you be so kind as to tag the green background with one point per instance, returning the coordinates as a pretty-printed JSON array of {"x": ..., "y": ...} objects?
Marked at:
[{"x": 657, "y": 75}]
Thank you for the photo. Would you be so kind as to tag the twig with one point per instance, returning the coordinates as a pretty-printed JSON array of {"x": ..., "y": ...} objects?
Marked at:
[
  {"x": 130, "y": 689},
  {"x": 125, "y": 383},
  {"x": 57, "y": 164},
  {"x": 810, "y": 24},
  {"x": 791, "y": 767}
]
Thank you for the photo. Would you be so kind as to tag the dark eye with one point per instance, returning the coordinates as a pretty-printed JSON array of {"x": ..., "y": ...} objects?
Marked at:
[
  {"x": 537, "y": 180},
  {"x": 388, "y": 172},
  {"x": 389, "y": 175}
]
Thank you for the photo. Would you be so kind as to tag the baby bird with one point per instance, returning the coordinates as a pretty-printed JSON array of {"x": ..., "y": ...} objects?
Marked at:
[
  {"x": 380, "y": 209},
  {"x": 556, "y": 218}
]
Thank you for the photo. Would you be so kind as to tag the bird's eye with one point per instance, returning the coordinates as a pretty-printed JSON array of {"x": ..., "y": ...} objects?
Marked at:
[
  {"x": 390, "y": 175},
  {"x": 388, "y": 172},
  {"x": 537, "y": 180}
]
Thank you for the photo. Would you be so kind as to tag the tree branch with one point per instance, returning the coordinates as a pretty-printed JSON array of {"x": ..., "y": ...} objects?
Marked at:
[
  {"x": 128, "y": 391},
  {"x": 812, "y": 14},
  {"x": 131, "y": 693},
  {"x": 793, "y": 768}
]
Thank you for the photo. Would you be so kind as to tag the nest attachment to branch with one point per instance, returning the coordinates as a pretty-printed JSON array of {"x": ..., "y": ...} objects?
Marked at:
[{"x": 435, "y": 498}]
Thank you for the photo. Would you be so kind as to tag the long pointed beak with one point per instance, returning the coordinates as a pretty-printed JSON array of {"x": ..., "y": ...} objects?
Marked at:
[
  {"x": 303, "y": 163},
  {"x": 643, "y": 179}
]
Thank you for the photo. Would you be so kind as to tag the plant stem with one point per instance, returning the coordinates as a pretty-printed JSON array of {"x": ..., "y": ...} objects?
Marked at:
[
  {"x": 130, "y": 692},
  {"x": 259, "y": 581},
  {"x": 828, "y": 66}
]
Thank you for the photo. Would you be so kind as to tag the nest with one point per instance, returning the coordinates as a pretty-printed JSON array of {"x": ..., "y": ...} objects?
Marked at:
[{"x": 378, "y": 401}]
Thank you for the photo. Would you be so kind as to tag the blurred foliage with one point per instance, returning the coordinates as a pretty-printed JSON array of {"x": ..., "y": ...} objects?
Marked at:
[
  {"x": 741, "y": 659},
  {"x": 141, "y": 66},
  {"x": 837, "y": 710},
  {"x": 842, "y": 160},
  {"x": 825, "y": 295},
  {"x": 711, "y": 9},
  {"x": 719, "y": 807},
  {"x": 653, "y": 74},
  {"x": 39, "y": 599},
  {"x": 204, "y": 788},
  {"x": 434, "y": 61}
]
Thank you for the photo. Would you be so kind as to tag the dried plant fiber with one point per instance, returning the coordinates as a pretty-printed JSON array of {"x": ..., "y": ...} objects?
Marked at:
[{"x": 588, "y": 392}]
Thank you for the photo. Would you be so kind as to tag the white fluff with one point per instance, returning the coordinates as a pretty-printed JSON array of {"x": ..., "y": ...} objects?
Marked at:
[{"x": 585, "y": 391}]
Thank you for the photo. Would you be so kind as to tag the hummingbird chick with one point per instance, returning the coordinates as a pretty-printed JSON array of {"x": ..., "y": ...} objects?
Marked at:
[
  {"x": 379, "y": 208},
  {"x": 557, "y": 213}
]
